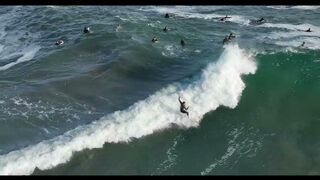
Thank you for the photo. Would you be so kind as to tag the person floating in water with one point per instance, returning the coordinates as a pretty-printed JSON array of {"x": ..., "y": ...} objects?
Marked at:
[
  {"x": 86, "y": 30},
  {"x": 225, "y": 18},
  {"x": 165, "y": 29},
  {"x": 154, "y": 39},
  {"x": 258, "y": 22},
  {"x": 182, "y": 42},
  {"x": 228, "y": 39},
  {"x": 231, "y": 36},
  {"x": 183, "y": 107},
  {"x": 302, "y": 45},
  {"x": 167, "y": 15},
  {"x": 308, "y": 30},
  {"x": 59, "y": 42},
  {"x": 261, "y": 20}
]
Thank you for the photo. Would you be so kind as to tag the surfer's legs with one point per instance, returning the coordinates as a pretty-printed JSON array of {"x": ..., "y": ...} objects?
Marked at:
[{"x": 186, "y": 112}]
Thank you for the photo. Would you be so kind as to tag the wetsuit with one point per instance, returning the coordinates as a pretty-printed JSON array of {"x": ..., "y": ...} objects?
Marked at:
[{"x": 183, "y": 107}]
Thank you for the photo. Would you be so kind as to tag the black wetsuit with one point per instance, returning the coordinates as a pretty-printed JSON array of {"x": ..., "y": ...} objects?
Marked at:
[
  {"x": 86, "y": 30},
  {"x": 182, "y": 42},
  {"x": 224, "y": 18},
  {"x": 183, "y": 107},
  {"x": 231, "y": 37}
]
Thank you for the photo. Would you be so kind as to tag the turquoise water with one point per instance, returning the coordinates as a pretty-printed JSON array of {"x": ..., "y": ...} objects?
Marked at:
[{"x": 107, "y": 102}]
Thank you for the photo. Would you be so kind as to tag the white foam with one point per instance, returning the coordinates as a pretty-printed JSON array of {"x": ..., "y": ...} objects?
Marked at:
[
  {"x": 177, "y": 9},
  {"x": 295, "y": 36},
  {"x": 190, "y": 13},
  {"x": 306, "y": 7},
  {"x": 278, "y": 7},
  {"x": 154, "y": 25},
  {"x": 171, "y": 157},
  {"x": 240, "y": 19},
  {"x": 278, "y": 35},
  {"x": 182, "y": 12},
  {"x": 171, "y": 51},
  {"x": 234, "y": 18},
  {"x": 298, "y": 28},
  {"x": 19, "y": 101},
  {"x": 54, "y": 7},
  {"x": 295, "y": 7},
  {"x": 28, "y": 55},
  {"x": 219, "y": 84},
  {"x": 310, "y": 43}
]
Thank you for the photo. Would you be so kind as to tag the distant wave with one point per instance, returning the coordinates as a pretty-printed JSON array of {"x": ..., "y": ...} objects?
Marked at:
[
  {"x": 295, "y": 36},
  {"x": 187, "y": 13},
  {"x": 295, "y": 7},
  {"x": 299, "y": 27}
]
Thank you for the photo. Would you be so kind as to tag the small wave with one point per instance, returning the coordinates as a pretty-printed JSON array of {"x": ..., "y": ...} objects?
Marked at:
[
  {"x": 51, "y": 6},
  {"x": 310, "y": 43},
  {"x": 298, "y": 28},
  {"x": 188, "y": 13},
  {"x": 279, "y": 7},
  {"x": 27, "y": 56},
  {"x": 295, "y": 7},
  {"x": 306, "y": 7}
]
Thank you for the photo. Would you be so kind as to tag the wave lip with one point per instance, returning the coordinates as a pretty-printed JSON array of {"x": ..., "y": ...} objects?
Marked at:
[{"x": 219, "y": 84}]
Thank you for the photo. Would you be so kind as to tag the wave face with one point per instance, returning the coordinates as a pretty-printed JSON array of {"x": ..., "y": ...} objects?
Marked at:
[{"x": 220, "y": 84}]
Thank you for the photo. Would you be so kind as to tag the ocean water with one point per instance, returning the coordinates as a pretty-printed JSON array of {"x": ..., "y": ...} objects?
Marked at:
[{"x": 106, "y": 103}]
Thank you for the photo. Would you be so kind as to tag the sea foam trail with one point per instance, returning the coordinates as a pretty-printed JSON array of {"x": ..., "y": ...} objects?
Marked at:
[
  {"x": 299, "y": 27},
  {"x": 306, "y": 7},
  {"x": 189, "y": 13},
  {"x": 295, "y": 7},
  {"x": 28, "y": 55},
  {"x": 310, "y": 43},
  {"x": 219, "y": 84}
]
